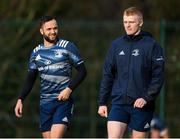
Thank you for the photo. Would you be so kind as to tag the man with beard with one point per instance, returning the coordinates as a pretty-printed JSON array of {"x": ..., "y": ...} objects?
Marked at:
[{"x": 53, "y": 60}]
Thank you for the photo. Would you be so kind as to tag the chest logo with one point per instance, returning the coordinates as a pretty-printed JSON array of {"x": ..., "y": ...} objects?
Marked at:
[
  {"x": 135, "y": 52},
  {"x": 58, "y": 53},
  {"x": 121, "y": 53},
  {"x": 43, "y": 60}
]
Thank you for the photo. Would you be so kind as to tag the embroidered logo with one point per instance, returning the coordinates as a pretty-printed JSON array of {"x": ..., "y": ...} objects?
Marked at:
[
  {"x": 135, "y": 52},
  {"x": 160, "y": 58},
  {"x": 45, "y": 61},
  {"x": 121, "y": 53},
  {"x": 58, "y": 53},
  {"x": 147, "y": 126},
  {"x": 65, "y": 119},
  {"x": 38, "y": 57}
]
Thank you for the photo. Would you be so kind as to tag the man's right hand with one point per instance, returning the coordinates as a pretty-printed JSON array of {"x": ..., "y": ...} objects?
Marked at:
[
  {"x": 19, "y": 108},
  {"x": 102, "y": 111}
]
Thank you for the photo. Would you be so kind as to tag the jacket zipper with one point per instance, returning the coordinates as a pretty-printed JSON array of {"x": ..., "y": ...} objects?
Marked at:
[{"x": 129, "y": 63}]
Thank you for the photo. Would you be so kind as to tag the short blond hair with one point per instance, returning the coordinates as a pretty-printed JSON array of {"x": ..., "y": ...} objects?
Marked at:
[{"x": 133, "y": 11}]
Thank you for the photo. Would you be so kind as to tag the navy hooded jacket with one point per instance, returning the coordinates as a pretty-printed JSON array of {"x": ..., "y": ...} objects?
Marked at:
[{"x": 133, "y": 68}]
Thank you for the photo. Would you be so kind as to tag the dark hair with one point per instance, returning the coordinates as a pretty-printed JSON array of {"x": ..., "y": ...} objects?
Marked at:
[{"x": 45, "y": 19}]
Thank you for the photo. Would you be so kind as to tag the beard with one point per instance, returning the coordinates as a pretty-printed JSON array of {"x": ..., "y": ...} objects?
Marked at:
[{"x": 50, "y": 40}]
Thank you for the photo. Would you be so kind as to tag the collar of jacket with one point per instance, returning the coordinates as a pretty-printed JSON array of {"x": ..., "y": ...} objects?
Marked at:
[{"x": 132, "y": 38}]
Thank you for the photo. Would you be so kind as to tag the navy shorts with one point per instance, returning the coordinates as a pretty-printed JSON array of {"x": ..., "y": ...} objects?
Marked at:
[
  {"x": 55, "y": 112},
  {"x": 136, "y": 118}
]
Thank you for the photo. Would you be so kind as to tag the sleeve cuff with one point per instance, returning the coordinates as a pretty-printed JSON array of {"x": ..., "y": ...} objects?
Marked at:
[{"x": 148, "y": 98}]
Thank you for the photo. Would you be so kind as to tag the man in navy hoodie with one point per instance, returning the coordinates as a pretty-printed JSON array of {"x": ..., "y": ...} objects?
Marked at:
[{"x": 133, "y": 74}]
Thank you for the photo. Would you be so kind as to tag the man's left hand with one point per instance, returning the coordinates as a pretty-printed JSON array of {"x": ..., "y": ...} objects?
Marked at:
[
  {"x": 139, "y": 103},
  {"x": 64, "y": 94}
]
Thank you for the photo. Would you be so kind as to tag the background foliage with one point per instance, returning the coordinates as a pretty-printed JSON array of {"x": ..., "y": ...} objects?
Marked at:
[{"x": 92, "y": 25}]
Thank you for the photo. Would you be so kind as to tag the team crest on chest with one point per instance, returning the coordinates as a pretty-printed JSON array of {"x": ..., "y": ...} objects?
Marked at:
[
  {"x": 58, "y": 53},
  {"x": 135, "y": 52}
]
